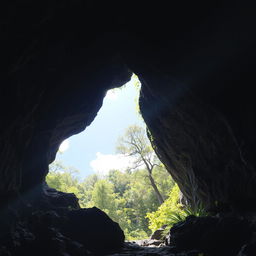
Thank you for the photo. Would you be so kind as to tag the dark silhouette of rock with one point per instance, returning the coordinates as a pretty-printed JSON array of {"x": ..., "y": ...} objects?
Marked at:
[
  {"x": 60, "y": 199},
  {"x": 94, "y": 229},
  {"x": 159, "y": 233},
  {"x": 211, "y": 235},
  {"x": 39, "y": 235}
]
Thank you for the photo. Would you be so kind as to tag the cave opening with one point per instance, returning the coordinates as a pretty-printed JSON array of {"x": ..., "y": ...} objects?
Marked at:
[
  {"x": 59, "y": 59},
  {"x": 116, "y": 170}
]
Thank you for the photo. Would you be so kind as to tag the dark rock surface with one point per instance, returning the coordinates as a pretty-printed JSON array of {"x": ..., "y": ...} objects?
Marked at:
[
  {"x": 63, "y": 232},
  {"x": 196, "y": 62},
  {"x": 85, "y": 226},
  {"x": 58, "y": 199},
  {"x": 189, "y": 134},
  {"x": 248, "y": 250},
  {"x": 149, "y": 242},
  {"x": 197, "y": 98},
  {"x": 211, "y": 235},
  {"x": 159, "y": 233},
  {"x": 38, "y": 235},
  {"x": 133, "y": 249}
]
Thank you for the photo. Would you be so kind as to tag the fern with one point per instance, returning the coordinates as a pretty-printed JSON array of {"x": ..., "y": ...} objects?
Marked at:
[
  {"x": 172, "y": 212},
  {"x": 175, "y": 217}
]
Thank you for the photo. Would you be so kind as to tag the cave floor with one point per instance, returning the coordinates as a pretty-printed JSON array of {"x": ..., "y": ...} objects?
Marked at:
[{"x": 133, "y": 249}]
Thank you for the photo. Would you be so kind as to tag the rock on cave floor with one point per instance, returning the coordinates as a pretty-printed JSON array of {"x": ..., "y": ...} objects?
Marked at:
[{"x": 133, "y": 249}]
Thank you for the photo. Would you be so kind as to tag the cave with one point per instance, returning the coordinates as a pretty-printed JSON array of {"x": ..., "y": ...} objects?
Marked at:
[{"x": 195, "y": 62}]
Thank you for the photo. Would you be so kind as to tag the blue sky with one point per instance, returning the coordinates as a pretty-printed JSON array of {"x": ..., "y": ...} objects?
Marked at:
[{"x": 93, "y": 150}]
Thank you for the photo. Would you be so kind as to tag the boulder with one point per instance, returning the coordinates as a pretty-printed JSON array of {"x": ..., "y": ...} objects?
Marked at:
[
  {"x": 159, "y": 233},
  {"x": 60, "y": 199},
  {"x": 94, "y": 229},
  {"x": 211, "y": 235},
  {"x": 38, "y": 235},
  {"x": 149, "y": 243}
]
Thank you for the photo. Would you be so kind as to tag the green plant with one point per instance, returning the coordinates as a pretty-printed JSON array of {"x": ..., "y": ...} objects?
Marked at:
[
  {"x": 172, "y": 212},
  {"x": 176, "y": 217},
  {"x": 198, "y": 211},
  {"x": 166, "y": 212}
]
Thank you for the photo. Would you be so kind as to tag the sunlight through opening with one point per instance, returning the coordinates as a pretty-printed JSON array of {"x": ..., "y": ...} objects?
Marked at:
[{"x": 111, "y": 165}]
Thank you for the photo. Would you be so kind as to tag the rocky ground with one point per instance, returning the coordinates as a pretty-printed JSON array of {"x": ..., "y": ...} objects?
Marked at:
[
  {"x": 199, "y": 236},
  {"x": 64, "y": 231},
  {"x": 134, "y": 249}
]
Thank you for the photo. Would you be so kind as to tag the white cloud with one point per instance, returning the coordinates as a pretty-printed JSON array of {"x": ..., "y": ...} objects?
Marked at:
[
  {"x": 104, "y": 163},
  {"x": 64, "y": 146}
]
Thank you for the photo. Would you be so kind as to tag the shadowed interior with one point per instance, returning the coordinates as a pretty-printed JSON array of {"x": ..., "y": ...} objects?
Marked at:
[{"x": 196, "y": 66}]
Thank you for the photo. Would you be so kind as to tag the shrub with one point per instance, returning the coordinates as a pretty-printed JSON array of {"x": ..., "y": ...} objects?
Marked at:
[{"x": 171, "y": 211}]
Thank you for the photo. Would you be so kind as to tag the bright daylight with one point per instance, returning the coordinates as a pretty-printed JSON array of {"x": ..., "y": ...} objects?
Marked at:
[{"x": 116, "y": 170}]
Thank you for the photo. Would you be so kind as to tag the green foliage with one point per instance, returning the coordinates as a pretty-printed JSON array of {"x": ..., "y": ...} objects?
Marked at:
[
  {"x": 176, "y": 217},
  {"x": 135, "y": 144},
  {"x": 172, "y": 212},
  {"x": 103, "y": 195},
  {"x": 137, "y": 84},
  {"x": 163, "y": 180},
  {"x": 120, "y": 181},
  {"x": 126, "y": 197},
  {"x": 167, "y": 212},
  {"x": 198, "y": 210},
  {"x": 63, "y": 178},
  {"x": 137, "y": 234}
]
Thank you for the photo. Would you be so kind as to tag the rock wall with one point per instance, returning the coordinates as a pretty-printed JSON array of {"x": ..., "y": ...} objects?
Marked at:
[
  {"x": 56, "y": 77},
  {"x": 198, "y": 147},
  {"x": 197, "y": 101},
  {"x": 60, "y": 59}
]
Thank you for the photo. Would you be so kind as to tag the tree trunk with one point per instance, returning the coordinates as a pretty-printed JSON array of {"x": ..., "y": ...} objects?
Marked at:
[
  {"x": 158, "y": 194},
  {"x": 150, "y": 167}
]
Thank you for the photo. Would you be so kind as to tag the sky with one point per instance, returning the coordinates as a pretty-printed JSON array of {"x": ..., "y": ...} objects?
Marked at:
[{"x": 94, "y": 149}]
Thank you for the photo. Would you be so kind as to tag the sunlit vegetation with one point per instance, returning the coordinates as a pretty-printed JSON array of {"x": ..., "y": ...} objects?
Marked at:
[
  {"x": 168, "y": 213},
  {"x": 126, "y": 197},
  {"x": 141, "y": 199}
]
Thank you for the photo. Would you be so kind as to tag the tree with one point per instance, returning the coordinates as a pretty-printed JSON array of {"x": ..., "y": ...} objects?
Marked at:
[
  {"x": 86, "y": 188},
  {"x": 103, "y": 196},
  {"x": 120, "y": 180},
  {"x": 126, "y": 197},
  {"x": 135, "y": 144},
  {"x": 140, "y": 199},
  {"x": 63, "y": 178}
]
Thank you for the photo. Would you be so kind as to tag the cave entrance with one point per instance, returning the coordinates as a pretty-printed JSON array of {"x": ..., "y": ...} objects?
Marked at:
[{"x": 114, "y": 166}]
